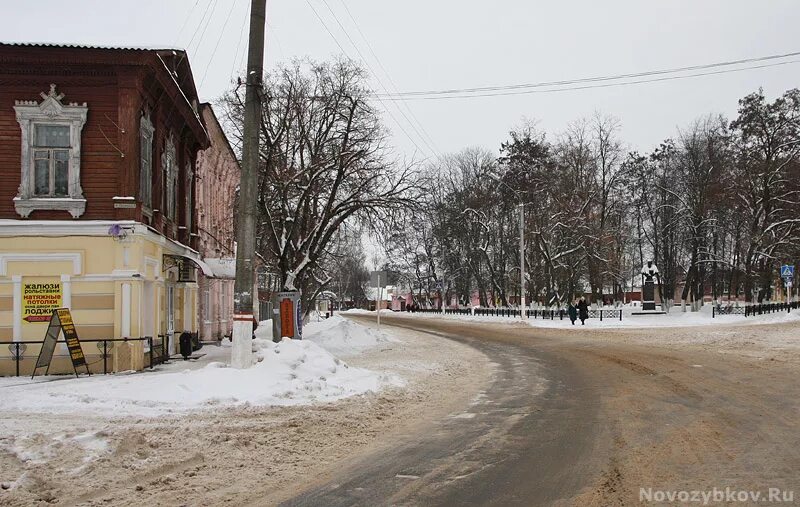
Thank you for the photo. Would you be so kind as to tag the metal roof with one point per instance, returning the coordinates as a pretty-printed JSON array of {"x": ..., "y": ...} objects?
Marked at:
[{"x": 89, "y": 46}]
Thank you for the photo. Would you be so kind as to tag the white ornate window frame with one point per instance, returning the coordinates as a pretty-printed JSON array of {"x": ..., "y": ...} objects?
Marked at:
[
  {"x": 169, "y": 165},
  {"x": 51, "y": 111},
  {"x": 146, "y": 138}
]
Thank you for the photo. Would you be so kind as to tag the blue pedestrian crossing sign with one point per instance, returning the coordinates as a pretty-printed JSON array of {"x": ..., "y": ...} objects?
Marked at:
[{"x": 787, "y": 271}]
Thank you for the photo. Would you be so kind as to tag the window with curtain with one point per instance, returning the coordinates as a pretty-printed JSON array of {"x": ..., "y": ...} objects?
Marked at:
[
  {"x": 146, "y": 131},
  {"x": 189, "y": 203},
  {"x": 51, "y": 149},
  {"x": 170, "y": 168}
]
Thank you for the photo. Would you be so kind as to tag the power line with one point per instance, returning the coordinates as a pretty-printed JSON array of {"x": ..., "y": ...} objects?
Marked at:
[
  {"x": 219, "y": 39},
  {"x": 588, "y": 87},
  {"x": 325, "y": 26},
  {"x": 202, "y": 19},
  {"x": 185, "y": 23},
  {"x": 389, "y": 77},
  {"x": 377, "y": 77},
  {"x": 203, "y": 33},
  {"x": 239, "y": 45},
  {"x": 525, "y": 86}
]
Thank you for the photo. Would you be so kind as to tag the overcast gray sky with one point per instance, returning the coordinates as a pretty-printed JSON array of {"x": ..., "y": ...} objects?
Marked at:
[{"x": 442, "y": 44}]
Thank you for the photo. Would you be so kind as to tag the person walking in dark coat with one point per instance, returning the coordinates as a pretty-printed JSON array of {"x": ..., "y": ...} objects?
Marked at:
[
  {"x": 583, "y": 310},
  {"x": 572, "y": 311}
]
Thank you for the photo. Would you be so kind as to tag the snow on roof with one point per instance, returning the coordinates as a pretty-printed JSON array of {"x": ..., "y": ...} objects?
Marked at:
[
  {"x": 90, "y": 46},
  {"x": 372, "y": 294},
  {"x": 222, "y": 268}
]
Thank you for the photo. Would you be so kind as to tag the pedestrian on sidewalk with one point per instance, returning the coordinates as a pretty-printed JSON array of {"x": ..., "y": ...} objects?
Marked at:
[
  {"x": 583, "y": 310},
  {"x": 572, "y": 311}
]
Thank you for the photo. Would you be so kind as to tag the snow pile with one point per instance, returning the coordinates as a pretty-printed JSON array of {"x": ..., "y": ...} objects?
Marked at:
[
  {"x": 292, "y": 372},
  {"x": 343, "y": 337},
  {"x": 40, "y": 448}
]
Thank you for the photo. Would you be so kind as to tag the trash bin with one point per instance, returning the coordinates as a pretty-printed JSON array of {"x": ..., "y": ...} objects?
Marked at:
[{"x": 185, "y": 342}]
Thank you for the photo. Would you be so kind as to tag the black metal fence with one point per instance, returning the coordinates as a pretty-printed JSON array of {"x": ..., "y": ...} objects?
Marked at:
[
  {"x": 541, "y": 313},
  {"x": 160, "y": 350},
  {"x": 496, "y": 312},
  {"x": 607, "y": 314},
  {"x": 751, "y": 310},
  {"x": 104, "y": 347}
]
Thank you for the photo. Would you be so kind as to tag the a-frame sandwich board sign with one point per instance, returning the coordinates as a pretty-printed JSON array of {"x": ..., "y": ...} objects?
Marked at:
[{"x": 61, "y": 322}]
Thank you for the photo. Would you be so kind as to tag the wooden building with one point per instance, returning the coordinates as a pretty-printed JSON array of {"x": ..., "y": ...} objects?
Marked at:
[{"x": 98, "y": 149}]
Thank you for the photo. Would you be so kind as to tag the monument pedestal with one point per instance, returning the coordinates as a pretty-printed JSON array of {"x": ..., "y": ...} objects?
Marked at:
[
  {"x": 649, "y": 296},
  {"x": 649, "y": 272}
]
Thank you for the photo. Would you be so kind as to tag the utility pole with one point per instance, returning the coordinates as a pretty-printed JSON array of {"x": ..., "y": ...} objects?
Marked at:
[
  {"x": 522, "y": 307},
  {"x": 378, "y": 305},
  {"x": 241, "y": 353}
]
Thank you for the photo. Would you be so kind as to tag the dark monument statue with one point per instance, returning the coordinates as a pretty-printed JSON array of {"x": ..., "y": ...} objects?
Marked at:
[{"x": 649, "y": 277}]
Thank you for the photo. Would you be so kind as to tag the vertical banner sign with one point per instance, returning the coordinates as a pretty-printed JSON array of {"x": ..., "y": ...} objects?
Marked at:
[
  {"x": 71, "y": 337},
  {"x": 39, "y": 300},
  {"x": 61, "y": 321},
  {"x": 287, "y": 318}
]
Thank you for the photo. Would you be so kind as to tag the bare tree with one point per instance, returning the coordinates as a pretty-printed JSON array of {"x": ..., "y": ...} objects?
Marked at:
[
  {"x": 324, "y": 162},
  {"x": 768, "y": 145}
]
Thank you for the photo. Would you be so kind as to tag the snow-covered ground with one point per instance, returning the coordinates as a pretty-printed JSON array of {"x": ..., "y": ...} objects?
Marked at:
[
  {"x": 773, "y": 336},
  {"x": 195, "y": 448},
  {"x": 293, "y": 372},
  {"x": 676, "y": 318}
]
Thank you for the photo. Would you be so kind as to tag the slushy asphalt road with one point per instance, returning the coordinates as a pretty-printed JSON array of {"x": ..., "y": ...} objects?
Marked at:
[{"x": 573, "y": 421}]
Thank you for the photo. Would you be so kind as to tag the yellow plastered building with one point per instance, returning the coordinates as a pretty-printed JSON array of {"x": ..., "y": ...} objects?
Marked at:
[
  {"x": 98, "y": 202},
  {"x": 128, "y": 285}
]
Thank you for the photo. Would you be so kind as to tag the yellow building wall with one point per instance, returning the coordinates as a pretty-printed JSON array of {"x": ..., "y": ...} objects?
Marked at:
[{"x": 96, "y": 271}]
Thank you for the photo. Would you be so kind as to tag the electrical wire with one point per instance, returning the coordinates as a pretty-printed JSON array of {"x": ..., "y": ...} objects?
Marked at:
[
  {"x": 377, "y": 78},
  {"x": 185, "y": 23},
  {"x": 605, "y": 78},
  {"x": 389, "y": 77},
  {"x": 241, "y": 38},
  {"x": 219, "y": 39},
  {"x": 202, "y": 19},
  {"x": 325, "y": 26},
  {"x": 588, "y": 87},
  {"x": 208, "y": 22}
]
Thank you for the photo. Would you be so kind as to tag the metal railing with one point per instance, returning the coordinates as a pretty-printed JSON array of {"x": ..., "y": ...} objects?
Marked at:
[
  {"x": 766, "y": 308},
  {"x": 538, "y": 313},
  {"x": 17, "y": 350},
  {"x": 601, "y": 313},
  {"x": 751, "y": 310}
]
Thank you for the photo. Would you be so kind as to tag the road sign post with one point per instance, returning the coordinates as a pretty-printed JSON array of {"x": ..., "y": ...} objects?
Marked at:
[
  {"x": 377, "y": 279},
  {"x": 787, "y": 273}
]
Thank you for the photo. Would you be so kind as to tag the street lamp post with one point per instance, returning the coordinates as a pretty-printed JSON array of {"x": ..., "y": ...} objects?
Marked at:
[{"x": 523, "y": 308}]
